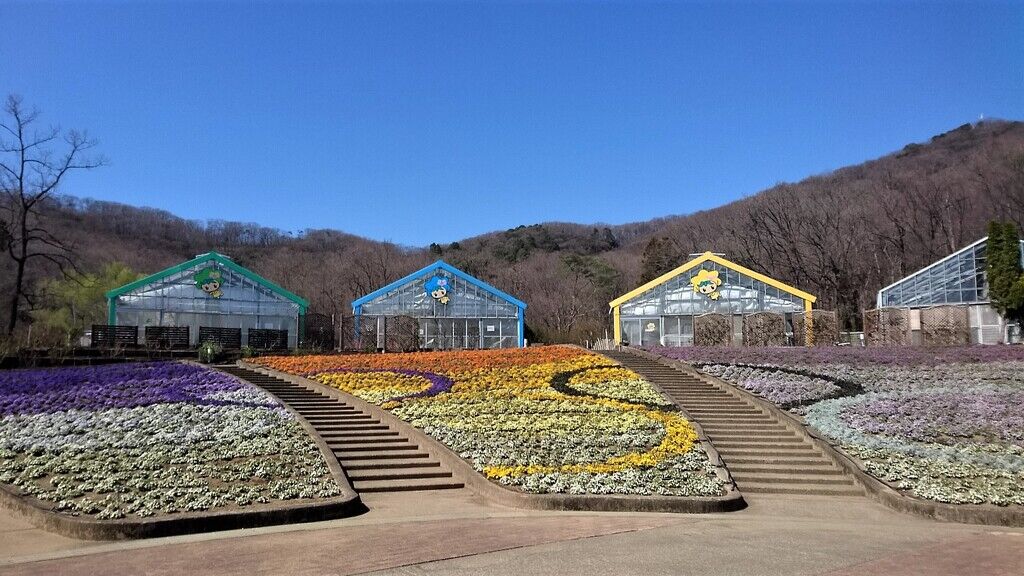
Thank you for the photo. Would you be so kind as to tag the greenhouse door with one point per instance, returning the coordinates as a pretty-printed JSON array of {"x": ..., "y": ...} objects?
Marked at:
[
  {"x": 650, "y": 334},
  {"x": 678, "y": 330},
  {"x": 472, "y": 334}
]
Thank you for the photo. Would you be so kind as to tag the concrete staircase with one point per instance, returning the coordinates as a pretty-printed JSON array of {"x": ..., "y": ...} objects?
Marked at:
[
  {"x": 375, "y": 456},
  {"x": 761, "y": 452}
]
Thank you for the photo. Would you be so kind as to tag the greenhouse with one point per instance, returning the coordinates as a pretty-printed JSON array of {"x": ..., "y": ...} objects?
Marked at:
[
  {"x": 208, "y": 299},
  {"x": 451, "y": 310},
  {"x": 958, "y": 284},
  {"x": 712, "y": 301}
]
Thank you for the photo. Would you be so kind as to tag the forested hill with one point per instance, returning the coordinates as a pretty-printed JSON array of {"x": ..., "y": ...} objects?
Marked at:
[{"x": 840, "y": 235}]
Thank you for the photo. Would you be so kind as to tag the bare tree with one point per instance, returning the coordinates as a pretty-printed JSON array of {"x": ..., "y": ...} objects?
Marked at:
[{"x": 30, "y": 173}]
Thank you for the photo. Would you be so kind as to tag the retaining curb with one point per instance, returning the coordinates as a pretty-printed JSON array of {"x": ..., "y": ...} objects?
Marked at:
[
  {"x": 986, "y": 514},
  {"x": 499, "y": 494},
  {"x": 187, "y": 523}
]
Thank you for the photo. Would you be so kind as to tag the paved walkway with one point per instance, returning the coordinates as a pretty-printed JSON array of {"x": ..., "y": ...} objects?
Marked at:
[{"x": 455, "y": 532}]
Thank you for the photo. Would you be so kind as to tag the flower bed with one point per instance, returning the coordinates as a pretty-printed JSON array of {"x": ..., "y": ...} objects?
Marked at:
[
  {"x": 786, "y": 389},
  {"x": 545, "y": 420},
  {"x": 146, "y": 439},
  {"x": 943, "y": 424},
  {"x": 854, "y": 355}
]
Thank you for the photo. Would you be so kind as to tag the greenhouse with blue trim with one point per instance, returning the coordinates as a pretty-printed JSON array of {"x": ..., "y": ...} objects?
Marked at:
[{"x": 451, "y": 309}]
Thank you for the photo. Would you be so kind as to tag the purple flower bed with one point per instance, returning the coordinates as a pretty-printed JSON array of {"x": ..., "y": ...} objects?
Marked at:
[
  {"x": 943, "y": 416},
  {"x": 886, "y": 356},
  {"x": 782, "y": 388},
  {"x": 112, "y": 386},
  {"x": 788, "y": 392},
  {"x": 438, "y": 382}
]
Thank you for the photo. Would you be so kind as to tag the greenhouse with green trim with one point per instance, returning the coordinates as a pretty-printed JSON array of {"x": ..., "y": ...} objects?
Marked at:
[{"x": 208, "y": 299}]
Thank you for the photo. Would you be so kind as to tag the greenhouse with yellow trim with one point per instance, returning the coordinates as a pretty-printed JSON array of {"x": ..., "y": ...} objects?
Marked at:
[{"x": 711, "y": 301}]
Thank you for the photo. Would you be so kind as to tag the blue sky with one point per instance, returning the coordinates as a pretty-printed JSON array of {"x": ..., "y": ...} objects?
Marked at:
[{"x": 429, "y": 122}]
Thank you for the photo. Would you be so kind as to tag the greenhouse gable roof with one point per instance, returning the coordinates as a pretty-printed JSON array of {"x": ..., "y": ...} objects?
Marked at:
[
  {"x": 710, "y": 257},
  {"x": 440, "y": 264},
  {"x": 202, "y": 259}
]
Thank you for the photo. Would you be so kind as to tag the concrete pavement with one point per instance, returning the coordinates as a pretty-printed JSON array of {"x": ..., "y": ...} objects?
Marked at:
[{"x": 457, "y": 533}]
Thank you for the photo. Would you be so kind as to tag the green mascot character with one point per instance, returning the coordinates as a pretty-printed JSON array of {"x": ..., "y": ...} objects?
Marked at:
[{"x": 209, "y": 281}]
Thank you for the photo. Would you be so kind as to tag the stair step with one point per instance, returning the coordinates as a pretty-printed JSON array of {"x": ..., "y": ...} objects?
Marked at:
[
  {"x": 364, "y": 441},
  {"x": 754, "y": 470},
  {"x": 406, "y": 485},
  {"x": 748, "y": 425},
  {"x": 292, "y": 397},
  {"x": 745, "y": 426},
  {"x": 723, "y": 412},
  {"x": 342, "y": 417},
  {"x": 727, "y": 446},
  {"x": 699, "y": 399},
  {"x": 396, "y": 474},
  {"x": 738, "y": 406},
  {"x": 396, "y": 464},
  {"x": 729, "y": 432},
  {"x": 777, "y": 461},
  {"x": 374, "y": 456},
  {"x": 792, "y": 479},
  {"x": 368, "y": 434},
  {"x": 756, "y": 488},
  {"x": 757, "y": 442},
  {"x": 785, "y": 443},
  {"x": 324, "y": 409},
  {"x": 755, "y": 439},
  {"x": 752, "y": 419},
  {"x": 350, "y": 448},
  {"x": 804, "y": 451},
  {"x": 355, "y": 427}
]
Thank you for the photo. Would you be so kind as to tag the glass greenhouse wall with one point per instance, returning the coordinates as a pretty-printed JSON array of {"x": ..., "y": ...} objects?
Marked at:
[
  {"x": 662, "y": 311},
  {"x": 959, "y": 279},
  {"x": 210, "y": 291},
  {"x": 453, "y": 310}
]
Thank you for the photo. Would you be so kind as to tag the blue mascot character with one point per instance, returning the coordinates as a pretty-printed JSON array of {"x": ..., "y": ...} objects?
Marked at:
[{"x": 437, "y": 287}]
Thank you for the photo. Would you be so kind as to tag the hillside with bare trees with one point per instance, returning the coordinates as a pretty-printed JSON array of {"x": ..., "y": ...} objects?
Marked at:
[{"x": 840, "y": 235}]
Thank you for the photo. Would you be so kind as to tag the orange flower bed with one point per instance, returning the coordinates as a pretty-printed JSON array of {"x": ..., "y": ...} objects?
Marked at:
[{"x": 440, "y": 362}]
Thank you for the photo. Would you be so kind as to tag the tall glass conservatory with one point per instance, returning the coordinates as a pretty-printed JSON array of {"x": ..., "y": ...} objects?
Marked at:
[
  {"x": 663, "y": 311},
  {"x": 210, "y": 298},
  {"x": 960, "y": 280},
  {"x": 452, "y": 308}
]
